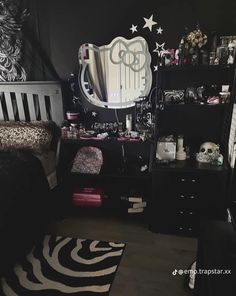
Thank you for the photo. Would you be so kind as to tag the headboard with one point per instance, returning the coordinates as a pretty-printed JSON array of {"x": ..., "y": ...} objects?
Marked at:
[{"x": 31, "y": 100}]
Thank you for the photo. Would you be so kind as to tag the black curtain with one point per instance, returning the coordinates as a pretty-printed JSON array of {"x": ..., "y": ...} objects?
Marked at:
[{"x": 36, "y": 39}]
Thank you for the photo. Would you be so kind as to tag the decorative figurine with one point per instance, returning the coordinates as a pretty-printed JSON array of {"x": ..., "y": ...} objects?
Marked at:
[
  {"x": 181, "y": 52},
  {"x": 231, "y": 56},
  {"x": 209, "y": 152},
  {"x": 176, "y": 59},
  {"x": 191, "y": 95}
]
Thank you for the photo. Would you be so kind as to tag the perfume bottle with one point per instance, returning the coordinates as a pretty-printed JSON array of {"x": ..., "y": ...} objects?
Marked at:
[
  {"x": 231, "y": 51},
  {"x": 181, "y": 154},
  {"x": 222, "y": 51},
  {"x": 181, "y": 53},
  {"x": 212, "y": 53},
  {"x": 128, "y": 120}
]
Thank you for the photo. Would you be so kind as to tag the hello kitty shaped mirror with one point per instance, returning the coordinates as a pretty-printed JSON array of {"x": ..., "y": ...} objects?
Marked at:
[{"x": 114, "y": 75}]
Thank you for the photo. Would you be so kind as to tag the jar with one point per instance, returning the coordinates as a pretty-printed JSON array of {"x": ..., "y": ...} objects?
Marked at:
[
  {"x": 64, "y": 130},
  {"x": 74, "y": 130},
  {"x": 204, "y": 57}
]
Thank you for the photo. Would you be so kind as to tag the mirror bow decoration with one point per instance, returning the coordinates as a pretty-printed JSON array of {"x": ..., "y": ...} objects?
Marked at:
[{"x": 114, "y": 75}]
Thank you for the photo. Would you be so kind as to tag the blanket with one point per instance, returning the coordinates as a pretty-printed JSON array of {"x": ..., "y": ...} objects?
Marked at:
[{"x": 24, "y": 195}]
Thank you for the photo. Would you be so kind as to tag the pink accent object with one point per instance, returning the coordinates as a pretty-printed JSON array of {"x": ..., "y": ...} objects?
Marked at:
[
  {"x": 87, "y": 197},
  {"x": 72, "y": 115},
  {"x": 213, "y": 100},
  {"x": 124, "y": 139}
]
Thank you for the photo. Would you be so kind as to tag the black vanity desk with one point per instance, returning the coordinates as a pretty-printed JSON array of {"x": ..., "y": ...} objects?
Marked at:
[
  {"x": 119, "y": 176},
  {"x": 185, "y": 192}
]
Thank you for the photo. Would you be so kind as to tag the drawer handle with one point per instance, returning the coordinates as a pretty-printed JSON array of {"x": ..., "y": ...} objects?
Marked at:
[
  {"x": 193, "y": 180},
  {"x": 182, "y": 179},
  {"x": 190, "y": 229},
  {"x": 192, "y": 196},
  {"x": 189, "y": 213},
  {"x": 181, "y": 195},
  {"x": 180, "y": 228}
]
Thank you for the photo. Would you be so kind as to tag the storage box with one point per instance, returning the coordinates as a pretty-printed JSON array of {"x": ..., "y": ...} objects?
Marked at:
[
  {"x": 166, "y": 150},
  {"x": 88, "y": 197}
]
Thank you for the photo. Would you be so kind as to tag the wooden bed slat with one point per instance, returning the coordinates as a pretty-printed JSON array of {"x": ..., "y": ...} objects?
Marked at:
[
  {"x": 1, "y": 110},
  {"x": 31, "y": 90},
  {"x": 20, "y": 107},
  {"x": 56, "y": 106},
  {"x": 42, "y": 107},
  {"x": 30, "y": 100},
  {"x": 9, "y": 106}
]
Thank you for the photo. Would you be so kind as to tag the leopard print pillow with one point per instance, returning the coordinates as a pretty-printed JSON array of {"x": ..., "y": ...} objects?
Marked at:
[{"x": 35, "y": 135}]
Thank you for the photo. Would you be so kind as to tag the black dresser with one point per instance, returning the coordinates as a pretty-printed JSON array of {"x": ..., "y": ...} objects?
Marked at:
[{"x": 185, "y": 192}]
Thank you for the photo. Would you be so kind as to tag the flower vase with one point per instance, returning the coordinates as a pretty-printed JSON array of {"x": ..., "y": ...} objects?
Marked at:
[{"x": 195, "y": 56}]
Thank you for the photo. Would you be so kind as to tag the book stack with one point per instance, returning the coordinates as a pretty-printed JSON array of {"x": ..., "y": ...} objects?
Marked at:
[
  {"x": 88, "y": 197},
  {"x": 135, "y": 204}
]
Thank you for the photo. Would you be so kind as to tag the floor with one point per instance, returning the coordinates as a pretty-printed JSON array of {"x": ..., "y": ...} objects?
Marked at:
[{"x": 149, "y": 258}]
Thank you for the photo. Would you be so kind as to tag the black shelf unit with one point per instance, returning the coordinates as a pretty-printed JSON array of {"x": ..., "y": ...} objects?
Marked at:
[
  {"x": 196, "y": 68},
  {"x": 186, "y": 76},
  {"x": 113, "y": 149},
  {"x": 203, "y": 187},
  {"x": 204, "y": 122},
  {"x": 117, "y": 177}
]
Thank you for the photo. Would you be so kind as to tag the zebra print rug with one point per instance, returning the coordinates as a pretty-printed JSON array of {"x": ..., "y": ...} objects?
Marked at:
[{"x": 65, "y": 266}]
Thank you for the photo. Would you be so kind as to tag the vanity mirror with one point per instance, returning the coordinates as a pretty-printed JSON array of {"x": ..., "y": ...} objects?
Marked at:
[{"x": 114, "y": 75}]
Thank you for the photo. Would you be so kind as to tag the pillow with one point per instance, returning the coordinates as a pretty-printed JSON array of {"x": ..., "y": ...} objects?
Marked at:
[{"x": 36, "y": 136}]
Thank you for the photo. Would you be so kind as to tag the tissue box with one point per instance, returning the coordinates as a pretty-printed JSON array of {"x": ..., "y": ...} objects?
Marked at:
[{"x": 166, "y": 149}]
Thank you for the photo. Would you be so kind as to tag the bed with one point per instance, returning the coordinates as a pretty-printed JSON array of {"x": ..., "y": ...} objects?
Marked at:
[
  {"x": 28, "y": 108},
  {"x": 30, "y": 116}
]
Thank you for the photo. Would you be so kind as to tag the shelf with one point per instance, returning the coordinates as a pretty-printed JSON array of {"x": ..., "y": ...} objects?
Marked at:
[
  {"x": 106, "y": 140},
  {"x": 195, "y": 106},
  {"x": 189, "y": 165},
  {"x": 111, "y": 176},
  {"x": 197, "y": 68}
]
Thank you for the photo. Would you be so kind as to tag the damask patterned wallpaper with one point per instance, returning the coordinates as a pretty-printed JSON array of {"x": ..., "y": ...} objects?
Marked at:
[{"x": 12, "y": 19}]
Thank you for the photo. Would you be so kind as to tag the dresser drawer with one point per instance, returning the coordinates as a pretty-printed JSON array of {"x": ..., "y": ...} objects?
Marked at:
[
  {"x": 199, "y": 187},
  {"x": 186, "y": 220},
  {"x": 186, "y": 230},
  {"x": 180, "y": 199},
  {"x": 172, "y": 221}
]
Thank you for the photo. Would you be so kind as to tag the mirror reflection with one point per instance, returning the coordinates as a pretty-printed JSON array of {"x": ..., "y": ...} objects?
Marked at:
[{"x": 114, "y": 75}]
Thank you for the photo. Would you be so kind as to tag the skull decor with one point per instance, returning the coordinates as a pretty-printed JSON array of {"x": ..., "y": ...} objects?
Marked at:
[{"x": 209, "y": 152}]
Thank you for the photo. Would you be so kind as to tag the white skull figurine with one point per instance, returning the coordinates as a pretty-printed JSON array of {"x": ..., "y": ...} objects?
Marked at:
[{"x": 207, "y": 152}]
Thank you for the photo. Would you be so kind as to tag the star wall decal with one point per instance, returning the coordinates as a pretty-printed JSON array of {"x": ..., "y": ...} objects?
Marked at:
[
  {"x": 133, "y": 29},
  {"x": 149, "y": 22},
  {"x": 159, "y": 30},
  {"x": 155, "y": 68},
  {"x": 159, "y": 48}
]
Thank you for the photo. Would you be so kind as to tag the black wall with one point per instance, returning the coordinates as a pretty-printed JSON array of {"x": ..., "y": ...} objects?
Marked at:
[{"x": 63, "y": 25}]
